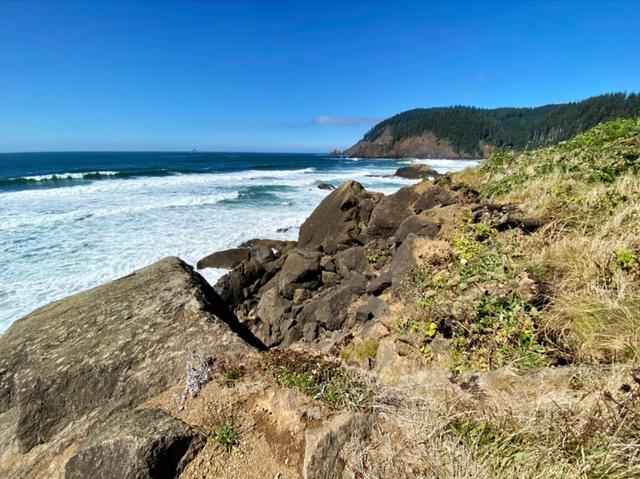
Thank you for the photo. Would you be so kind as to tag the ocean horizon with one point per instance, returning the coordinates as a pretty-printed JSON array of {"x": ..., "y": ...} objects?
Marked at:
[{"x": 70, "y": 221}]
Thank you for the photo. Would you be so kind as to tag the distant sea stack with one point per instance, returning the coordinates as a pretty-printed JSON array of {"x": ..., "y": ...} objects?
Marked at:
[{"x": 462, "y": 132}]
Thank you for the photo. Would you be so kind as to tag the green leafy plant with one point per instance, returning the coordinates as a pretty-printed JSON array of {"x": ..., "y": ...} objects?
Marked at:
[{"x": 226, "y": 435}]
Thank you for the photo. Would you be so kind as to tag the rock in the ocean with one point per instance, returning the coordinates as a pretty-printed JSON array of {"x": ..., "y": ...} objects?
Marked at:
[
  {"x": 417, "y": 171},
  {"x": 68, "y": 365},
  {"x": 326, "y": 186}
]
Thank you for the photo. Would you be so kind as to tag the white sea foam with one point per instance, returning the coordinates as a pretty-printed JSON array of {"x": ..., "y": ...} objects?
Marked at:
[{"x": 58, "y": 241}]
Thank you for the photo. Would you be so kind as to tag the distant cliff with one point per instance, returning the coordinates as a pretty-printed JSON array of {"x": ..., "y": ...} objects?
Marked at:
[{"x": 468, "y": 132}]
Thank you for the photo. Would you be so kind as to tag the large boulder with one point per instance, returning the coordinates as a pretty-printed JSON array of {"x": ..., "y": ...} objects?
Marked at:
[
  {"x": 417, "y": 171},
  {"x": 146, "y": 444},
  {"x": 338, "y": 220},
  {"x": 70, "y": 364},
  {"x": 435, "y": 196},
  {"x": 351, "y": 260},
  {"x": 390, "y": 212}
]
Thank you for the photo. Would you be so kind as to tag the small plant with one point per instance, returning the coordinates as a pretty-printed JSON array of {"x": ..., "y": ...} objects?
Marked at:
[
  {"x": 233, "y": 375},
  {"x": 626, "y": 259},
  {"x": 226, "y": 435}
]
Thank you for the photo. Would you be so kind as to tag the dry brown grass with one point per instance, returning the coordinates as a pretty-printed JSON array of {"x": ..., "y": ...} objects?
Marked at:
[{"x": 596, "y": 436}]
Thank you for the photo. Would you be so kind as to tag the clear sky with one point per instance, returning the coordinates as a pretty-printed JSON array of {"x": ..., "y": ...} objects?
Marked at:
[{"x": 290, "y": 76}]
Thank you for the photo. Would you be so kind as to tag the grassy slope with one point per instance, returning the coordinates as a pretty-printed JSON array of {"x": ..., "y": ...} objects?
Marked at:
[
  {"x": 589, "y": 190},
  {"x": 584, "y": 318}
]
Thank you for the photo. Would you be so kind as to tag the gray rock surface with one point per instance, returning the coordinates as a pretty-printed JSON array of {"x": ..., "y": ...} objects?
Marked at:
[
  {"x": 338, "y": 220},
  {"x": 146, "y": 444},
  {"x": 77, "y": 360}
]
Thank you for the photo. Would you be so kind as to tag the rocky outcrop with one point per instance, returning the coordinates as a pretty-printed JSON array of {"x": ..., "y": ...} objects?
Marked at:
[
  {"x": 348, "y": 248},
  {"x": 426, "y": 145},
  {"x": 417, "y": 171},
  {"x": 339, "y": 220},
  {"x": 67, "y": 367}
]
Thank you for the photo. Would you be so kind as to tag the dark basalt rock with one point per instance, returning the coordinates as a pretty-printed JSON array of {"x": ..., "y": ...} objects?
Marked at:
[
  {"x": 227, "y": 259},
  {"x": 326, "y": 186},
  {"x": 380, "y": 284},
  {"x": 329, "y": 308},
  {"x": 373, "y": 308},
  {"x": 338, "y": 219},
  {"x": 301, "y": 270},
  {"x": 390, "y": 212},
  {"x": 146, "y": 444},
  {"x": 434, "y": 196},
  {"x": 417, "y": 171},
  {"x": 418, "y": 225},
  {"x": 352, "y": 259}
]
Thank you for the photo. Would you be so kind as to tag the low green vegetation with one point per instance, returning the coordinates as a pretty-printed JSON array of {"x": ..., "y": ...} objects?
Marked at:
[
  {"x": 226, "y": 435},
  {"x": 321, "y": 378},
  {"x": 359, "y": 351},
  {"x": 588, "y": 188}
]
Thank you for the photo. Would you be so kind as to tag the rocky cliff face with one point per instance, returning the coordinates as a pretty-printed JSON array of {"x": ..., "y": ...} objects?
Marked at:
[{"x": 425, "y": 145}]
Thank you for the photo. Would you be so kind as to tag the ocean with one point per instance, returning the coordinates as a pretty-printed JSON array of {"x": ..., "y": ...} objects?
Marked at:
[{"x": 72, "y": 221}]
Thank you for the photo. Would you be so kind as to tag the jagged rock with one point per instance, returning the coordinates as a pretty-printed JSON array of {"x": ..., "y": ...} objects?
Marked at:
[
  {"x": 300, "y": 270},
  {"x": 227, "y": 259},
  {"x": 69, "y": 364},
  {"x": 330, "y": 307},
  {"x": 338, "y": 219},
  {"x": 352, "y": 259},
  {"x": 327, "y": 263},
  {"x": 146, "y": 444},
  {"x": 326, "y": 186},
  {"x": 380, "y": 284},
  {"x": 418, "y": 225},
  {"x": 372, "y": 308},
  {"x": 417, "y": 171},
  {"x": 278, "y": 247},
  {"x": 272, "y": 307},
  {"x": 233, "y": 285},
  {"x": 434, "y": 196},
  {"x": 390, "y": 212}
]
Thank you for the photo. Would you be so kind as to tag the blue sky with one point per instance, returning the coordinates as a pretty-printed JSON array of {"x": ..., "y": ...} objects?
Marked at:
[{"x": 290, "y": 76}]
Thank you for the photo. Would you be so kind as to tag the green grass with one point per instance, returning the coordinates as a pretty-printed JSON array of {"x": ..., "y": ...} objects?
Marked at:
[
  {"x": 318, "y": 377},
  {"x": 360, "y": 351},
  {"x": 226, "y": 435}
]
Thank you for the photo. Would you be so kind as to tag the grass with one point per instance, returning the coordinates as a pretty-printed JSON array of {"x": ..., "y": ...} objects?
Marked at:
[
  {"x": 226, "y": 435},
  {"x": 587, "y": 188},
  {"x": 321, "y": 378},
  {"x": 593, "y": 436},
  {"x": 360, "y": 351}
]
